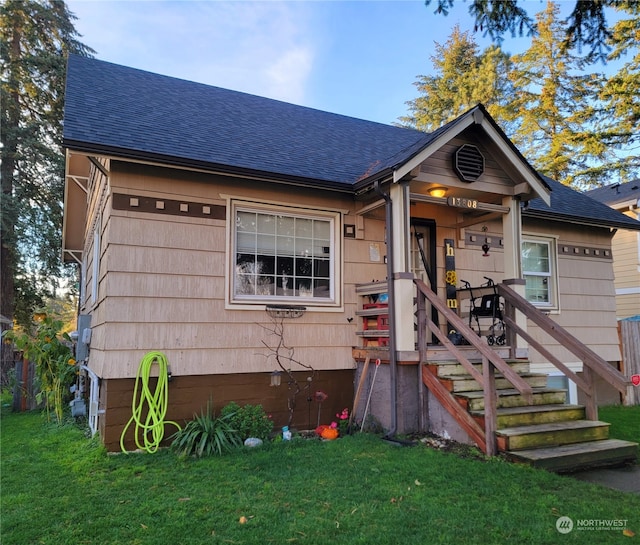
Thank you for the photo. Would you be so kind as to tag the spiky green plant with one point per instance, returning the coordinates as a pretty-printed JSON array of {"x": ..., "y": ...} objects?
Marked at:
[{"x": 206, "y": 435}]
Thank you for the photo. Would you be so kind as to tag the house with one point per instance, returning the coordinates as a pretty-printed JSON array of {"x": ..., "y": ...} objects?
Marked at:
[
  {"x": 624, "y": 197},
  {"x": 201, "y": 218}
]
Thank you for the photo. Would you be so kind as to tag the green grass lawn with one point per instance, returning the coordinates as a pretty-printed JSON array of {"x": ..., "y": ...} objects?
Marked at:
[
  {"x": 625, "y": 421},
  {"x": 61, "y": 488}
]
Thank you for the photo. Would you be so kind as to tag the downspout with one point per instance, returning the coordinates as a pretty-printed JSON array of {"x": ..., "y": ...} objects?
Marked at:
[{"x": 393, "y": 362}]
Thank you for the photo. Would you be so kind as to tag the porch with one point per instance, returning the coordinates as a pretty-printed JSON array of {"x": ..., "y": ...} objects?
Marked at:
[{"x": 456, "y": 385}]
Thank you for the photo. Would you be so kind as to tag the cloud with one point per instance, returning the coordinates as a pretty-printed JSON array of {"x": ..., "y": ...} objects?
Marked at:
[{"x": 264, "y": 48}]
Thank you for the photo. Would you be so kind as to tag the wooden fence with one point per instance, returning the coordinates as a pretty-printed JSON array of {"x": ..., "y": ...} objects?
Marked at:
[{"x": 629, "y": 331}]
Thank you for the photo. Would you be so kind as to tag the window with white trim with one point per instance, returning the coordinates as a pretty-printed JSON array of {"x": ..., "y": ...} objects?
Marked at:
[
  {"x": 539, "y": 271},
  {"x": 284, "y": 255}
]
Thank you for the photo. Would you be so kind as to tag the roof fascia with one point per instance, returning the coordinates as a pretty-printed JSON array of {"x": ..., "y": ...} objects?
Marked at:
[
  {"x": 479, "y": 117},
  {"x": 120, "y": 154},
  {"x": 563, "y": 218}
]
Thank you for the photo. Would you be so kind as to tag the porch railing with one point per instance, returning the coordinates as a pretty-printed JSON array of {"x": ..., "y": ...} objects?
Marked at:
[
  {"x": 592, "y": 363},
  {"x": 491, "y": 360}
]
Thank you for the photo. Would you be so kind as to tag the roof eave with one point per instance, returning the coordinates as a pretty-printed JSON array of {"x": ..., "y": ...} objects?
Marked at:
[
  {"x": 203, "y": 166},
  {"x": 579, "y": 220}
]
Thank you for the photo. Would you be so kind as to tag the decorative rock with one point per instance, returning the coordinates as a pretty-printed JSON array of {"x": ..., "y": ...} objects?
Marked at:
[{"x": 252, "y": 442}]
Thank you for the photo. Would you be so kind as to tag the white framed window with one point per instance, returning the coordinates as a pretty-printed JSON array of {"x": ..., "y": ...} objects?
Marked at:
[
  {"x": 539, "y": 269},
  {"x": 284, "y": 255}
]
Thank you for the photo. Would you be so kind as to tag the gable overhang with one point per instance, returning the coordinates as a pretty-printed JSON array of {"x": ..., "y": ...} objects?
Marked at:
[
  {"x": 76, "y": 184},
  {"x": 478, "y": 116}
]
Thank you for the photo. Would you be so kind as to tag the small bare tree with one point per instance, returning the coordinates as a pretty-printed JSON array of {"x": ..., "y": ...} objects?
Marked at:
[{"x": 284, "y": 356}]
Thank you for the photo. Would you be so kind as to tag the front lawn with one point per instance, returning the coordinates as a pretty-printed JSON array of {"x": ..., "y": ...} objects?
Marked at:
[
  {"x": 60, "y": 488},
  {"x": 625, "y": 421}
]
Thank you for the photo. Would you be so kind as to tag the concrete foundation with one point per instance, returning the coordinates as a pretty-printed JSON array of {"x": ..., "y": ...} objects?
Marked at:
[{"x": 417, "y": 409}]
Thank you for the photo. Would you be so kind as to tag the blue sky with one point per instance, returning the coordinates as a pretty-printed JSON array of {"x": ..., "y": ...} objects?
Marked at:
[{"x": 357, "y": 58}]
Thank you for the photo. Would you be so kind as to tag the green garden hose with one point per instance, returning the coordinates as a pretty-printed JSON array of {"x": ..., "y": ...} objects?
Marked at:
[{"x": 149, "y": 409}]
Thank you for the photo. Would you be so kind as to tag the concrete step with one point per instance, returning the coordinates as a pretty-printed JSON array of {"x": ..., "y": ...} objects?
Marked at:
[
  {"x": 577, "y": 456},
  {"x": 465, "y": 383},
  {"x": 509, "y": 417},
  {"x": 474, "y": 401},
  {"x": 551, "y": 434},
  {"x": 453, "y": 368}
]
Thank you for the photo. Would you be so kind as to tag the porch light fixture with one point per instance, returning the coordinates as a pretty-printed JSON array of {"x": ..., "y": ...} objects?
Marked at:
[
  {"x": 438, "y": 192},
  {"x": 276, "y": 378},
  {"x": 485, "y": 248}
]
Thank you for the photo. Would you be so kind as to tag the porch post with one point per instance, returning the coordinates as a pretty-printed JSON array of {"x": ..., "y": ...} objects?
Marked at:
[
  {"x": 512, "y": 239},
  {"x": 402, "y": 278}
]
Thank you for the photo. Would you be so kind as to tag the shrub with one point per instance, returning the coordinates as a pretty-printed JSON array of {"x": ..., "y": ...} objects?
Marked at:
[
  {"x": 206, "y": 435},
  {"x": 51, "y": 352},
  {"x": 250, "y": 420}
]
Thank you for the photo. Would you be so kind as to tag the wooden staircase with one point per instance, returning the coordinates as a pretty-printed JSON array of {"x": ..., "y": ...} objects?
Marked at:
[{"x": 543, "y": 431}]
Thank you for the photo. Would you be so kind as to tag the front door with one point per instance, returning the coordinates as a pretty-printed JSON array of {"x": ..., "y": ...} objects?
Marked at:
[{"x": 423, "y": 255}]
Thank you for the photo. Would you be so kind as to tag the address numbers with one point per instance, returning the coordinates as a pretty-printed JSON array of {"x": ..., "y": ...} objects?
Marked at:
[{"x": 461, "y": 202}]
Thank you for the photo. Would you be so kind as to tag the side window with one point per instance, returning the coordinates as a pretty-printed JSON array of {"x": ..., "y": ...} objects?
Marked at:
[
  {"x": 96, "y": 261},
  {"x": 539, "y": 271},
  {"x": 284, "y": 255}
]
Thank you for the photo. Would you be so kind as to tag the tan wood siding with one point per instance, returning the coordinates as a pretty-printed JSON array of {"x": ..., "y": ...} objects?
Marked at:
[{"x": 165, "y": 277}]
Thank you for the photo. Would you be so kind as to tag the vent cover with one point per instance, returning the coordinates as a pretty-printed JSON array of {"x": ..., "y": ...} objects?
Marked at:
[{"x": 468, "y": 162}]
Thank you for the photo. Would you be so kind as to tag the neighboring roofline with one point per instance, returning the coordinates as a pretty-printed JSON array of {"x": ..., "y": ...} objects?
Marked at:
[
  {"x": 479, "y": 116},
  {"x": 202, "y": 166},
  {"x": 581, "y": 220}
]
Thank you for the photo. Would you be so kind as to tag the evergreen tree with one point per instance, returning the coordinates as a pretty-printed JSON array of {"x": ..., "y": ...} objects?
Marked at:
[
  {"x": 585, "y": 26},
  {"x": 463, "y": 78},
  {"x": 553, "y": 109},
  {"x": 619, "y": 116},
  {"x": 36, "y": 37}
]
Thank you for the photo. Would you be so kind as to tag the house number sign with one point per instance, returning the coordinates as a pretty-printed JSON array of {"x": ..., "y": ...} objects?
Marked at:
[{"x": 461, "y": 202}]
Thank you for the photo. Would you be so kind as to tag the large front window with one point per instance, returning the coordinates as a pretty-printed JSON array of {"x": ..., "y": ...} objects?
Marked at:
[
  {"x": 538, "y": 268},
  {"x": 283, "y": 255}
]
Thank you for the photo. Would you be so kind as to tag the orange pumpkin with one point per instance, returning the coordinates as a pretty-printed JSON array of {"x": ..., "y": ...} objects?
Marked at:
[{"x": 329, "y": 434}]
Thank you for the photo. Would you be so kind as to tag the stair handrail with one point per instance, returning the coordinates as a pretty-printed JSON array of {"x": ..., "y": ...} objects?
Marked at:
[
  {"x": 473, "y": 339},
  {"x": 491, "y": 360},
  {"x": 592, "y": 362}
]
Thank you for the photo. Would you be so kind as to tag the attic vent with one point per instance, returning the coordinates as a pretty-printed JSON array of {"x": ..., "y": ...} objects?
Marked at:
[{"x": 468, "y": 162}]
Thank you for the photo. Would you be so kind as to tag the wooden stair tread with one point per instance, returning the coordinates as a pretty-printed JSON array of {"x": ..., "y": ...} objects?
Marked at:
[
  {"x": 467, "y": 376},
  {"x": 578, "y": 455},
  {"x": 504, "y": 411},
  {"x": 479, "y": 394},
  {"x": 575, "y": 448},
  {"x": 552, "y": 427}
]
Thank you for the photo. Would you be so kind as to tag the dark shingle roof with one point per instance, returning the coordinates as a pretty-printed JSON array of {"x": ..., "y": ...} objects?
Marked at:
[
  {"x": 617, "y": 194},
  {"x": 113, "y": 109},
  {"x": 575, "y": 207},
  {"x": 137, "y": 113}
]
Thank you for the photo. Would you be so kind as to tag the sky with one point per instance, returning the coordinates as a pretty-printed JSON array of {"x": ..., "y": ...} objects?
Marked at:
[{"x": 355, "y": 58}]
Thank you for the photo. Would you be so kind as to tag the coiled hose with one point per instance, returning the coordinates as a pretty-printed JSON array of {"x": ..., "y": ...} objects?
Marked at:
[{"x": 149, "y": 409}]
